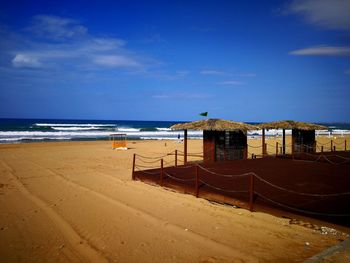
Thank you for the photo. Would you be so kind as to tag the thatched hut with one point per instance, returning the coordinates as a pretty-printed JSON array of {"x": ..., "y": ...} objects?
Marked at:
[
  {"x": 222, "y": 139},
  {"x": 303, "y": 134}
]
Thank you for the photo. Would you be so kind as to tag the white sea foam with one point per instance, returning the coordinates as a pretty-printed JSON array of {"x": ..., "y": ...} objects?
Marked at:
[
  {"x": 98, "y": 131},
  {"x": 73, "y": 125},
  {"x": 79, "y": 128},
  {"x": 126, "y": 129},
  {"x": 53, "y": 133},
  {"x": 61, "y": 135},
  {"x": 341, "y": 132},
  {"x": 32, "y": 139}
]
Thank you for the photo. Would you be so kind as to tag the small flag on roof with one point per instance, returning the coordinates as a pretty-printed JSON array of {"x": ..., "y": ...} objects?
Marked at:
[{"x": 204, "y": 114}]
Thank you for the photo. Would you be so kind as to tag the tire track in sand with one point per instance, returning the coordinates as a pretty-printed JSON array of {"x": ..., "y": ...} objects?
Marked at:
[
  {"x": 86, "y": 252},
  {"x": 175, "y": 229}
]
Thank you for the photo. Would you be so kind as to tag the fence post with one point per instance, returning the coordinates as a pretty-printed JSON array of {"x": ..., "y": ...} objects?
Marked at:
[
  {"x": 185, "y": 147},
  {"x": 314, "y": 147},
  {"x": 345, "y": 145},
  {"x": 263, "y": 142},
  {"x": 161, "y": 172},
  {"x": 133, "y": 167},
  {"x": 251, "y": 192},
  {"x": 322, "y": 149},
  {"x": 284, "y": 141},
  {"x": 276, "y": 148},
  {"x": 197, "y": 181},
  {"x": 334, "y": 148},
  {"x": 252, "y": 155},
  {"x": 265, "y": 149},
  {"x": 175, "y": 158},
  {"x": 331, "y": 145}
]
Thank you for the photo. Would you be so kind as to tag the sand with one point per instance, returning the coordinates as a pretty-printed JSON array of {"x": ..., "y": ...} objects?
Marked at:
[{"x": 76, "y": 202}]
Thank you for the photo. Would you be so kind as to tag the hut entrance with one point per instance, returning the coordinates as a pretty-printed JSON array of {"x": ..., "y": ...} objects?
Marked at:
[
  {"x": 224, "y": 145},
  {"x": 304, "y": 140}
]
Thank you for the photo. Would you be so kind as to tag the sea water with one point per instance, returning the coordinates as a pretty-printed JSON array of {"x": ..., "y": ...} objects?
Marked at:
[{"x": 31, "y": 130}]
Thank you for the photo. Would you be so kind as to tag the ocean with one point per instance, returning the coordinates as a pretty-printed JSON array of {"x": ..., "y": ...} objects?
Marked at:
[{"x": 34, "y": 130}]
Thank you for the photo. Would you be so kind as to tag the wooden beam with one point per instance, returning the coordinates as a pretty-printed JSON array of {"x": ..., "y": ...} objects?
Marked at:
[
  {"x": 185, "y": 146},
  {"x": 284, "y": 142},
  {"x": 263, "y": 142},
  {"x": 175, "y": 158},
  {"x": 293, "y": 143}
]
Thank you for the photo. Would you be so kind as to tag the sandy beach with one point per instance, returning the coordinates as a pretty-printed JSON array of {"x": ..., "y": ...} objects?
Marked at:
[{"x": 76, "y": 202}]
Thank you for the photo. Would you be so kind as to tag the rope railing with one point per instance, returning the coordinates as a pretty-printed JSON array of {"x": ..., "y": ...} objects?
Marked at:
[
  {"x": 183, "y": 167},
  {"x": 339, "y": 143},
  {"x": 224, "y": 175},
  {"x": 301, "y": 210},
  {"x": 322, "y": 144},
  {"x": 155, "y": 161},
  {"x": 178, "y": 179},
  {"x": 341, "y": 157},
  {"x": 299, "y": 193},
  {"x": 251, "y": 176},
  {"x": 271, "y": 145},
  {"x": 145, "y": 171},
  {"x": 325, "y": 157},
  {"x": 148, "y": 167},
  {"x": 147, "y": 157},
  {"x": 254, "y": 146},
  {"x": 221, "y": 189},
  {"x": 167, "y": 163}
]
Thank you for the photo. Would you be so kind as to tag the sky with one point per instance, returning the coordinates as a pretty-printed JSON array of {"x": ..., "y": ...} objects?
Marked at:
[{"x": 171, "y": 60}]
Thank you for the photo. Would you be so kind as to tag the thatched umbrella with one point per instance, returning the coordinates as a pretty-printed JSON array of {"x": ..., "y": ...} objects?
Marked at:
[
  {"x": 288, "y": 125},
  {"x": 214, "y": 125},
  {"x": 211, "y": 125}
]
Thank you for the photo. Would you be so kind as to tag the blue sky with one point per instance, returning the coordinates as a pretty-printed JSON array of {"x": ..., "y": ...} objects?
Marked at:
[{"x": 171, "y": 60}]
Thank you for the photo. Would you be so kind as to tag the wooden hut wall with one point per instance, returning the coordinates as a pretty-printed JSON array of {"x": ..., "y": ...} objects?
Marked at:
[
  {"x": 209, "y": 146},
  {"x": 220, "y": 149},
  {"x": 224, "y": 145},
  {"x": 304, "y": 140},
  {"x": 236, "y": 145}
]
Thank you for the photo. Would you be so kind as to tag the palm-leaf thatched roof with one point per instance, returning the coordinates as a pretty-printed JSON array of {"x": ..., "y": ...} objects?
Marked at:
[
  {"x": 289, "y": 125},
  {"x": 214, "y": 125}
]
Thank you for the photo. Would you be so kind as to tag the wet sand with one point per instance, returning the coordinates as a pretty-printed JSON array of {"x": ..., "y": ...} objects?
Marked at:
[{"x": 76, "y": 202}]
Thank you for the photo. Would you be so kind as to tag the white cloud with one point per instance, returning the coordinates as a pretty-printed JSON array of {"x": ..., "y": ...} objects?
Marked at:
[
  {"x": 226, "y": 73},
  {"x": 245, "y": 75},
  {"x": 322, "y": 51},
  {"x": 182, "y": 96},
  {"x": 182, "y": 73},
  {"x": 116, "y": 61},
  {"x": 25, "y": 61},
  {"x": 56, "y": 28},
  {"x": 67, "y": 44},
  {"x": 213, "y": 72},
  {"x": 230, "y": 82},
  {"x": 332, "y": 14}
]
